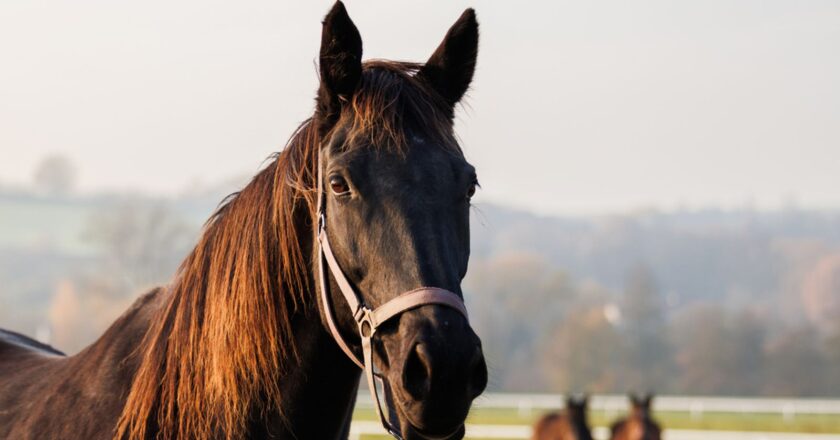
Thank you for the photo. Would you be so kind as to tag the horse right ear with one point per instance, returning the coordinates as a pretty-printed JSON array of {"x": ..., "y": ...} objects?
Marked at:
[
  {"x": 584, "y": 400},
  {"x": 340, "y": 63},
  {"x": 450, "y": 68}
]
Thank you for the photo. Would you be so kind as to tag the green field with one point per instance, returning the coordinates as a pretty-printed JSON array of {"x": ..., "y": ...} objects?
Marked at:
[{"x": 808, "y": 423}]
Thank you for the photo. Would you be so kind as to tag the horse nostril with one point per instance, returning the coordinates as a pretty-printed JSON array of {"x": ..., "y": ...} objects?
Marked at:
[{"x": 417, "y": 372}]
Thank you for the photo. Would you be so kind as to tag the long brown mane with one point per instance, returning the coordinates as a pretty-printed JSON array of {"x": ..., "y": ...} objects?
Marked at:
[{"x": 223, "y": 338}]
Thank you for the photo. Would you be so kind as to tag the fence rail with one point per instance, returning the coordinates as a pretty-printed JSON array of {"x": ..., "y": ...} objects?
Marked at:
[
  {"x": 691, "y": 404},
  {"x": 367, "y": 428},
  {"x": 528, "y": 404}
]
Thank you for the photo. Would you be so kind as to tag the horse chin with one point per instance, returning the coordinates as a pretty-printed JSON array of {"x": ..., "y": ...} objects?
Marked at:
[
  {"x": 417, "y": 431},
  {"x": 413, "y": 433}
]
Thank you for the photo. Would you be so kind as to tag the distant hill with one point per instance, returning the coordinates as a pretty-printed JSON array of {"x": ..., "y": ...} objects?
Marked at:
[
  {"x": 738, "y": 258},
  {"x": 757, "y": 260}
]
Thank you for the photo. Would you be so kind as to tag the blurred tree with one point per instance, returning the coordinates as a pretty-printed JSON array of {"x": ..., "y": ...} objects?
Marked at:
[
  {"x": 501, "y": 291},
  {"x": 646, "y": 352},
  {"x": 582, "y": 353},
  {"x": 795, "y": 365},
  {"x": 821, "y": 292},
  {"x": 55, "y": 175},
  {"x": 80, "y": 311},
  {"x": 142, "y": 243},
  {"x": 515, "y": 299},
  {"x": 717, "y": 353},
  {"x": 66, "y": 318},
  {"x": 832, "y": 355}
]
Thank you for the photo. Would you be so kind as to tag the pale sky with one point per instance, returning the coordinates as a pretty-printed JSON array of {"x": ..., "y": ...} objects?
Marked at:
[{"x": 576, "y": 108}]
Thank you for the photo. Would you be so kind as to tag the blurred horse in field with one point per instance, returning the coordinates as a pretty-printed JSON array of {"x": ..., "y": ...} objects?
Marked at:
[
  {"x": 638, "y": 425},
  {"x": 569, "y": 424}
]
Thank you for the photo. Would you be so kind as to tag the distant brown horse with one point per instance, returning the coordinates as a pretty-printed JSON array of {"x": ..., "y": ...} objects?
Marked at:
[
  {"x": 254, "y": 338},
  {"x": 638, "y": 425},
  {"x": 569, "y": 424}
]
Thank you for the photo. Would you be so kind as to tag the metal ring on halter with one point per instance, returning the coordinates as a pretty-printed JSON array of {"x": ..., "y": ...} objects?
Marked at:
[{"x": 365, "y": 316}]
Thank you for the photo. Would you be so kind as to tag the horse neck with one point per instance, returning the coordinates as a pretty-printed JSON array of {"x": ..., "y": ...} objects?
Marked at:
[
  {"x": 318, "y": 386},
  {"x": 318, "y": 393},
  {"x": 640, "y": 413},
  {"x": 637, "y": 428},
  {"x": 580, "y": 428}
]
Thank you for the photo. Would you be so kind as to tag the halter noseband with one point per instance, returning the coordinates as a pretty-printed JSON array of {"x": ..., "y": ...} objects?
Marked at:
[{"x": 369, "y": 319}]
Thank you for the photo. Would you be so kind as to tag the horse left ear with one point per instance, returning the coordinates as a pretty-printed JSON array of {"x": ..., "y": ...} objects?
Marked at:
[
  {"x": 450, "y": 68},
  {"x": 340, "y": 62}
]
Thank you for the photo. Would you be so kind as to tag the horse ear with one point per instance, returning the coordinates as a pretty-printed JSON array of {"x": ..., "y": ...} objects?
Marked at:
[
  {"x": 340, "y": 62},
  {"x": 450, "y": 68}
]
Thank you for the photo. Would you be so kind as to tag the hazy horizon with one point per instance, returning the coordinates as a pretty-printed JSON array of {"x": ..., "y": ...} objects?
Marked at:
[{"x": 576, "y": 108}]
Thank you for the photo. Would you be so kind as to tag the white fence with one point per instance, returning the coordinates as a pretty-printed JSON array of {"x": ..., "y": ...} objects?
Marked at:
[
  {"x": 526, "y": 403},
  {"x": 363, "y": 428}
]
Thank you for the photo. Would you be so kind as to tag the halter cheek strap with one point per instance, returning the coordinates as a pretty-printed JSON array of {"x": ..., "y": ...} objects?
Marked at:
[
  {"x": 373, "y": 318},
  {"x": 368, "y": 319}
]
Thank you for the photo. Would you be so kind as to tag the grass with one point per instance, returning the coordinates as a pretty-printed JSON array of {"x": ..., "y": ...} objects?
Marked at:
[{"x": 807, "y": 423}]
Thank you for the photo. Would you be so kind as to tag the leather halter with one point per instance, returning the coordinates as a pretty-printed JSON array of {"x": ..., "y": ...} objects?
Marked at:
[{"x": 368, "y": 319}]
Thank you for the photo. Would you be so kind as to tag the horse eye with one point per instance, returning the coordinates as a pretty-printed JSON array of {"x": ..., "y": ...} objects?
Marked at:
[
  {"x": 339, "y": 185},
  {"x": 471, "y": 190}
]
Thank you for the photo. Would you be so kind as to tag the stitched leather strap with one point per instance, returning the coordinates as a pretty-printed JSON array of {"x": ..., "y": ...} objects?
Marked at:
[
  {"x": 417, "y": 298},
  {"x": 325, "y": 300}
]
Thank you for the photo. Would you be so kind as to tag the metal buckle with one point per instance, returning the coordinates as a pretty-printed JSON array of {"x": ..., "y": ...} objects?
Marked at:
[
  {"x": 322, "y": 222},
  {"x": 364, "y": 317}
]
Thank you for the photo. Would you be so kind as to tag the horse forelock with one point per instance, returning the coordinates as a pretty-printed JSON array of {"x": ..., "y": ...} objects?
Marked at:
[{"x": 393, "y": 103}]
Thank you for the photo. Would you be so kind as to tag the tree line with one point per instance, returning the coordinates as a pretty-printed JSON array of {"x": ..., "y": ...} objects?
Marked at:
[{"x": 544, "y": 331}]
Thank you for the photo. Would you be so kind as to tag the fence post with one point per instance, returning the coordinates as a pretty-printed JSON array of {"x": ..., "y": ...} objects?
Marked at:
[
  {"x": 788, "y": 413},
  {"x": 696, "y": 410},
  {"x": 524, "y": 408}
]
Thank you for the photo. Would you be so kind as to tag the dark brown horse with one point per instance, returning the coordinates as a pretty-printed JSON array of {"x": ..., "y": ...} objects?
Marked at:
[
  {"x": 638, "y": 425},
  {"x": 569, "y": 424},
  {"x": 238, "y": 345}
]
